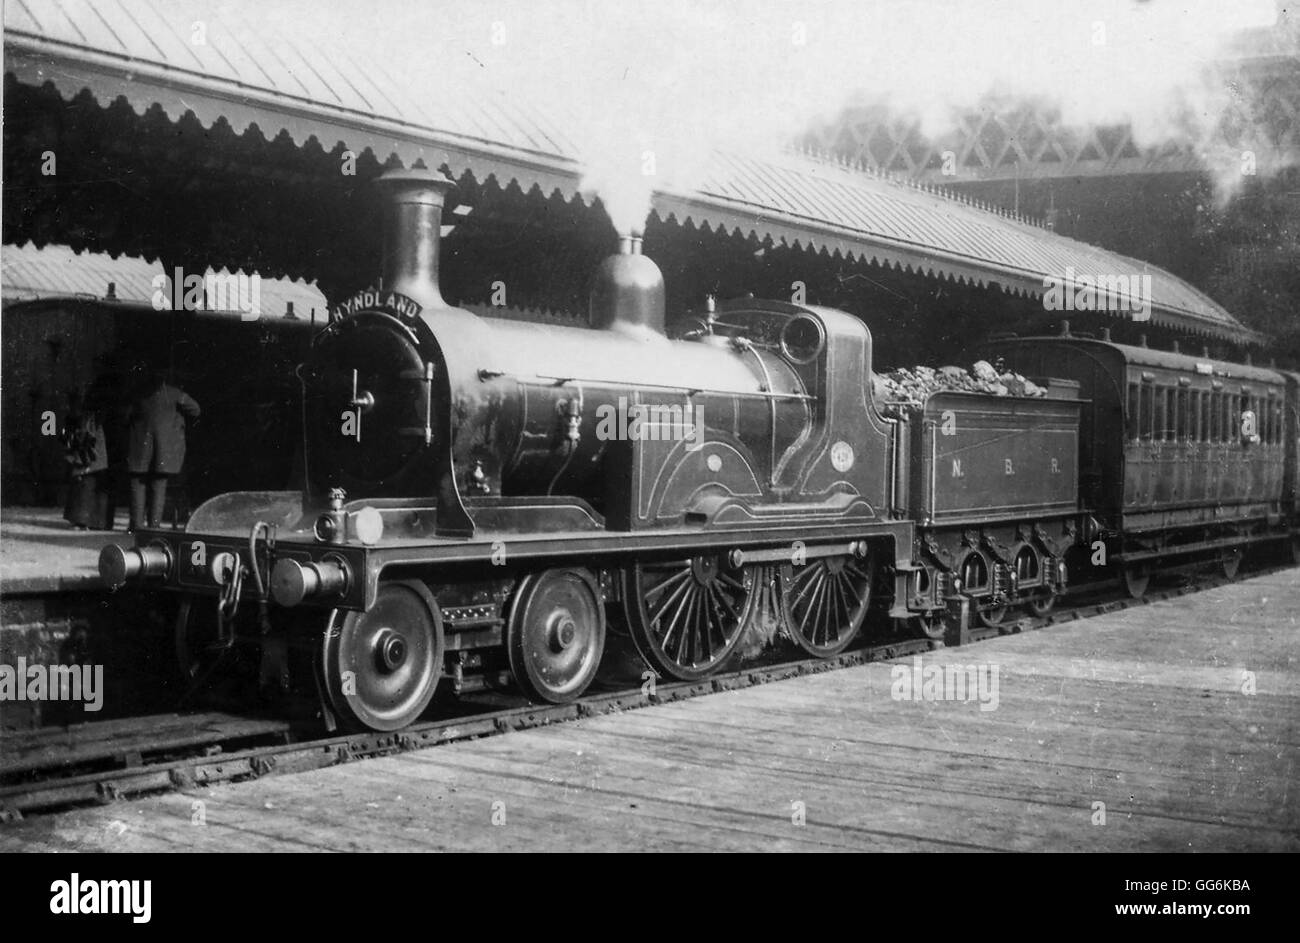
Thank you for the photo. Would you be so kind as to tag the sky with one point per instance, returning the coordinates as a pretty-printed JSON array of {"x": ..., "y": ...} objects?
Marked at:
[{"x": 650, "y": 88}]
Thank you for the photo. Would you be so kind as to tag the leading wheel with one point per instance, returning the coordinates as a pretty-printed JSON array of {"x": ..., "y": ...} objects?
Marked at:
[
  {"x": 380, "y": 667},
  {"x": 988, "y": 615},
  {"x": 687, "y": 616},
  {"x": 825, "y": 601},
  {"x": 555, "y": 634}
]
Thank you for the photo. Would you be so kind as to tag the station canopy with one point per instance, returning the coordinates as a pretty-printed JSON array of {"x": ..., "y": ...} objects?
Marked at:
[
  {"x": 252, "y": 70},
  {"x": 45, "y": 273}
]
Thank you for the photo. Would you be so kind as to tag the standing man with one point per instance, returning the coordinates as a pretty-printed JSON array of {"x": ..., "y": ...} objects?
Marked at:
[{"x": 156, "y": 447}]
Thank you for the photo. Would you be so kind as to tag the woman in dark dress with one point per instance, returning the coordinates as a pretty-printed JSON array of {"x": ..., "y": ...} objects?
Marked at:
[{"x": 86, "y": 451}]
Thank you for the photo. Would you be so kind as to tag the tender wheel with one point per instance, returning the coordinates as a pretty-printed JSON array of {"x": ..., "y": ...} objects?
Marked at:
[
  {"x": 1230, "y": 563},
  {"x": 1041, "y": 604},
  {"x": 555, "y": 634},
  {"x": 825, "y": 601},
  {"x": 988, "y": 615},
  {"x": 929, "y": 626},
  {"x": 686, "y": 616},
  {"x": 1136, "y": 579},
  {"x": 380, "y": 667}
]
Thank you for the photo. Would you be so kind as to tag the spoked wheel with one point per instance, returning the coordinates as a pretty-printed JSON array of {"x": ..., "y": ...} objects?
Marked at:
[
  {"x": 1136, "y": 579},
  {"x": 1230, "y": 563},
  {"x": 1041, "y": 604},
  {"x": 555, "y": 634},
  {"x": 988, "y": 615},
  {"x": 686, "y": 616},
  {"x": 825, "y": 601},
  {"x": 929, "y": 626},
  {"x": 380, "y": 667}
]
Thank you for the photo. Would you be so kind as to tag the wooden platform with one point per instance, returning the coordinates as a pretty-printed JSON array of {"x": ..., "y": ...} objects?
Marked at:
[
  {"x": 1142, "y": 710},
  {"x": 40, "y": 552}
]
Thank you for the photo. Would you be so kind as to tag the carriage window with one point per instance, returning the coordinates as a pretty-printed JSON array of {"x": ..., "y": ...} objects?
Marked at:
[
  {"x": 1232, "y": 421},
  {"x": 1205, "y": 416},
  {"x": 1180, "y": 416},
  {"x": 1162, "y": 415},
  {"x": 1145, "y": 413},
  {"x": 1194, "y": 415},
  {"x": 1133, "y": 424},
  {"x": 1216, "y": 416}
]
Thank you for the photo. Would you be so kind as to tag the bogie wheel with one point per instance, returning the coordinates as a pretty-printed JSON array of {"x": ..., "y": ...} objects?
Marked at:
[
  {"x": 1230, "y": 563},
  {"x": 687, "y": 616},
  {"x": 555, "y": 634},
  {"x": 380, "y": 667},
  {"x": 931, "y": 626},
  {"x": 825, "y": 601},
  {"x": 988, "y": 615},
  {"x": 1041, "y": 604},
  {"x": 1136, "y": 579}
]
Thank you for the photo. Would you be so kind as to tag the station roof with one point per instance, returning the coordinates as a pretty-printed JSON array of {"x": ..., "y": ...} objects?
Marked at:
[
  {"x": 28, "y": 273},
  {"x": 252, "y": 69}
]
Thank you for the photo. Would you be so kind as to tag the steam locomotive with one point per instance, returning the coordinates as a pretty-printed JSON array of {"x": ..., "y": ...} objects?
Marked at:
[{"x": 485, "y": 499}]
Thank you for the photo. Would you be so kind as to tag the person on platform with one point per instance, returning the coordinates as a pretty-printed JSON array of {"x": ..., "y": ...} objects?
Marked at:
[
  {"x": 156, "y": 445},
  {"x": 86, "y": 451}
]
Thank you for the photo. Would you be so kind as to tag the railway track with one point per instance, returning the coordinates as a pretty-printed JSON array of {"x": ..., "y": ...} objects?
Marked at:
[{"x": 53, "y": 768}]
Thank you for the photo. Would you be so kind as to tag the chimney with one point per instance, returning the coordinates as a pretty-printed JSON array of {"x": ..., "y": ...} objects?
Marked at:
[
  {"x": 628, "y": 294},
  {"x": 412, "y": 227}
]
